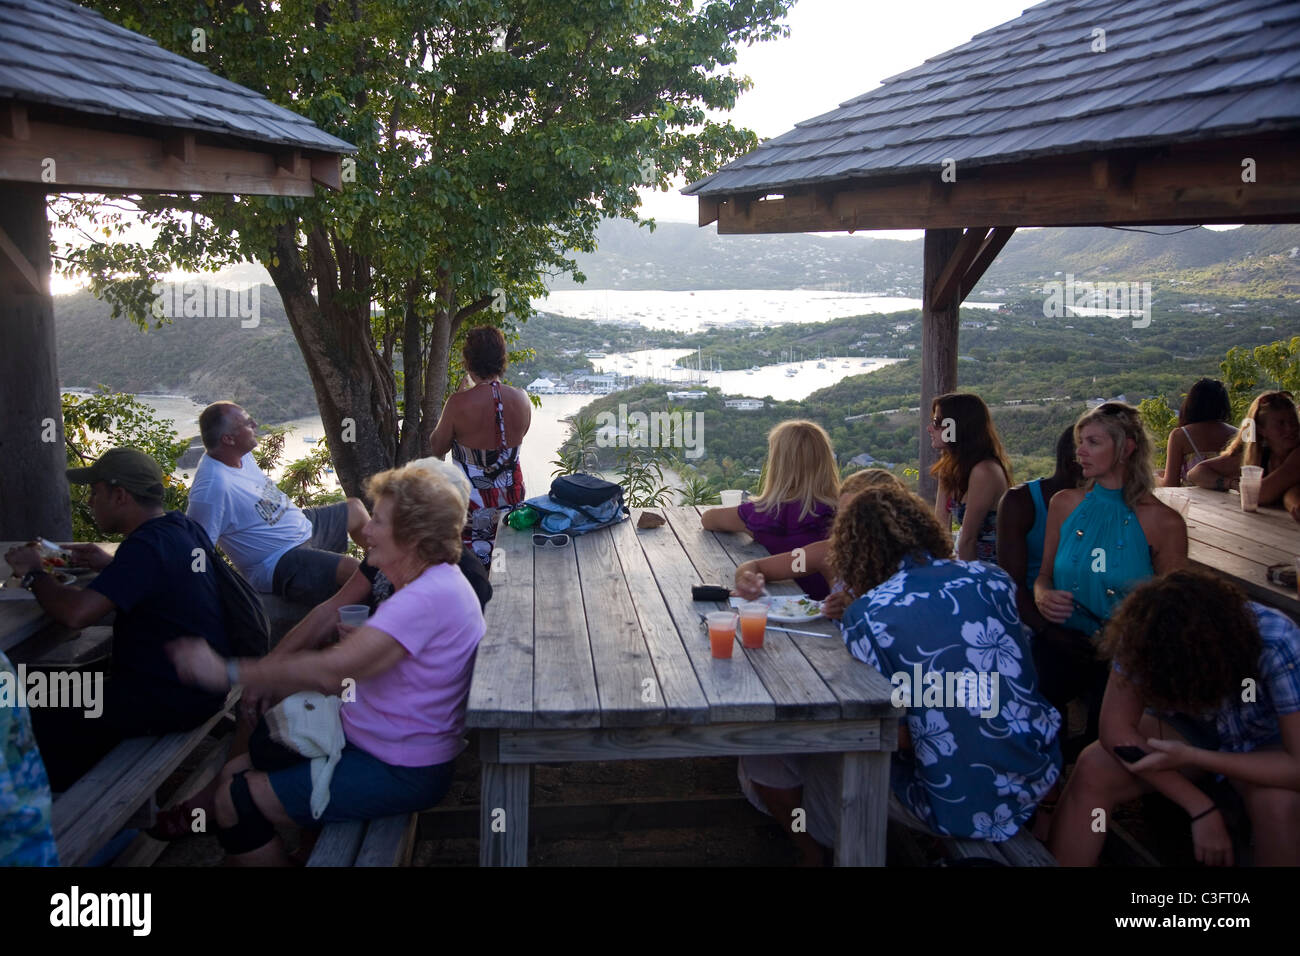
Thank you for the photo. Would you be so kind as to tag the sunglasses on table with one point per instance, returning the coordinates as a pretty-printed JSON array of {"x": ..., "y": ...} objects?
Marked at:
[{"x": 551, "y": 540}]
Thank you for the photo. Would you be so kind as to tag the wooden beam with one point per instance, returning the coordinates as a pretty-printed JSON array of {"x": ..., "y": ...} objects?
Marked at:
[
  {"x": 18, "y": 275},
  {"x": 938, "y": 343},
  {"x": 950, "y": 278},
  {"x": 13, "y": 120},
  {"x": 327, "y": 170},
  {"x": 996, "y": 240},
  {"x": 112, "y": 161},
  {"x": 1185, "y": 185},
  {"x": 180, "y": 146},
  {"x": 287, "y": 160},
  {"x": 708, "y": 210}
]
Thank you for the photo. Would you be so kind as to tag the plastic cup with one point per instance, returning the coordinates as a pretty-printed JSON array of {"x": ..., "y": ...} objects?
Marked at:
[
  {"x": 731, "y": 498},
  {"x": 722, "y": 633},
  {"x": 753, "y": 625},
  {"x": 1251, "y": 476},
  {"x": 354, "y": 615}
]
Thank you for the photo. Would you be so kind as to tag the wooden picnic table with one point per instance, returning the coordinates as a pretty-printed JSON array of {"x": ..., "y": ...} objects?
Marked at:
[
  {"x": 595, "y": 651},
  {"x": 22, "y": 618},
  {"x": 1236, "y": 544}
]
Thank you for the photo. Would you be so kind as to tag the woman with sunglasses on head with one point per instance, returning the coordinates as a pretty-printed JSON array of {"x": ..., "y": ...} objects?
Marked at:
[
  {"x": 1269, "y": 438},
  {"x": 972, "y": 470},
  {"x": 1101, "y": 540}
]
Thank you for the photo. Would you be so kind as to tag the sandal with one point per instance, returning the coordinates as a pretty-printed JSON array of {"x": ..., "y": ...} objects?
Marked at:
[{"x": 173, "y": 823}]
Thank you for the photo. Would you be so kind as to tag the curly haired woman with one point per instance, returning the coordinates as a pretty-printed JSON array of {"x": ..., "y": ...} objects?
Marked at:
[
  {"x": 1215, "y": 692},
  {"x": 978, "y": 749}
]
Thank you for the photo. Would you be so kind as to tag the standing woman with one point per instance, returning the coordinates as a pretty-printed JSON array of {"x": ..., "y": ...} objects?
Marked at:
[
  {"x": 483, "y": 427},
  {"x": 1202, "y": 430},
  {"x": 1101, "y": 541},
  {"x": 972, "y": 470},
  {"x": 1270, "y": 438}
]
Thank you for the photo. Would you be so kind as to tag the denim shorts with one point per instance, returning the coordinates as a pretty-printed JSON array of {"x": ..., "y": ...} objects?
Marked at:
[
  {"x": 308, "y": 574},
  {"x": 362, "y": 788}
]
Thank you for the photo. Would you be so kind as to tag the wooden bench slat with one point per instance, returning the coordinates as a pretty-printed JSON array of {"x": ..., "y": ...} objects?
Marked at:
[
  {"x": 97, "y": 806},
  {"x": 339, "y": 844},
  {"x": 388, "y": 841}
]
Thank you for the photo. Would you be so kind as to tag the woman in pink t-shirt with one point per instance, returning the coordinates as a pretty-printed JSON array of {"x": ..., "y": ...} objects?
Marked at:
[{"x": 404, "y": 676}]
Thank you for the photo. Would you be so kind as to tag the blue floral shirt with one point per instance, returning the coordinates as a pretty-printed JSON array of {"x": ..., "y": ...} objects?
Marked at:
[
  {"x": 947, "y": 636},
  {"x": 26, "y": 838}
]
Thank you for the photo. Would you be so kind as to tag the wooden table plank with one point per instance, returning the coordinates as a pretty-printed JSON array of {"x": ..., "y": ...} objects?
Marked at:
[
  {"x": 564, "y": 677},
  {"x": 22, "y": 618},
  {"x": 1238, "y": 545},
  {"x": 797, "y": 690},
  {"x": 731, "y": 687},
  {"x": 862, "y": 691},
  {"x": 678, "y": 686},
  {"x": 501, "y": 694},
  {"x": 626, "y": 683}
]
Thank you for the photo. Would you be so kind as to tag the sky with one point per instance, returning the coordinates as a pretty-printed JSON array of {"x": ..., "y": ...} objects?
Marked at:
[{"x": 837, "y": 50}]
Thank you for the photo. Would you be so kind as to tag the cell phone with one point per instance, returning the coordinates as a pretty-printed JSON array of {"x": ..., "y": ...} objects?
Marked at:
[
  {"x": 710, "y": 592},
  {"x": 1130, "y": 754}
]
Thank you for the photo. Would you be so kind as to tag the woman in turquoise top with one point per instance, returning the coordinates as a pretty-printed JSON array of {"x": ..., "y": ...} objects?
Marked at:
[{"x": 1102, "y": 540}]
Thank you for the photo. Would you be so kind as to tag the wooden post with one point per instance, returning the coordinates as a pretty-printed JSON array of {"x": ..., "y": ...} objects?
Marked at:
[
  {"x": 938, "y": 343},
  {"x": 33, "y": 488}
]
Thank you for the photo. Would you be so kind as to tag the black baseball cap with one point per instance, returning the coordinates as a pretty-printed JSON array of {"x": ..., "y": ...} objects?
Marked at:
[{"x": 127, "y": 468}]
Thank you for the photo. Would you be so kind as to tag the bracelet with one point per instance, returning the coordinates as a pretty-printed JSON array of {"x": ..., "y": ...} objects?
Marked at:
[{"x": 1205, "y": 813}]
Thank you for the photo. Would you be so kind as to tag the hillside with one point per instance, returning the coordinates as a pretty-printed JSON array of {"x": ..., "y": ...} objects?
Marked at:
[{"x": 1261, "y": 260}]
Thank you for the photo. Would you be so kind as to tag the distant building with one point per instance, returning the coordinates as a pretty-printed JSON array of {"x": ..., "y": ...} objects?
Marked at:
[
  {"x": 868, "y": 461},
  {"x": 542, "y": 386},
  {"x": 689, "y": 396},
  {"x": 744, "y": 404}
]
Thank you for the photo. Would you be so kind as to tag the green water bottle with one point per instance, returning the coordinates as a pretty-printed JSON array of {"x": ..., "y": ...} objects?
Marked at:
[{"x": 522, "y": 518}]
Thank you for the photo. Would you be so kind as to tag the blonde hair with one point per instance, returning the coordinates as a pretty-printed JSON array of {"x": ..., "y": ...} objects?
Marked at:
[
  {"x": 1256, "y": 452},
  {"x": 1120, "y": 422},
  {"x": 428, "y": 511},
  {"x": 869, "y": 478},
  {"x": 800, "y": 467}
]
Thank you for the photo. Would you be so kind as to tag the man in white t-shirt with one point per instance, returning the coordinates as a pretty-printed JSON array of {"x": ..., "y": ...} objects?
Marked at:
[{"x": 280, "y": 548}]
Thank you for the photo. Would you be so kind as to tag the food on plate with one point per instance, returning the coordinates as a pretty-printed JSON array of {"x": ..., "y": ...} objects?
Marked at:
[
  {"x": 53, "y": 558},
  {"x": 794, "y": 608}
]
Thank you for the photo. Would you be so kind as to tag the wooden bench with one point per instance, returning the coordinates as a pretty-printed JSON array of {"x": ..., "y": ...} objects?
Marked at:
[
  {"x": 384, "y": 842},
  {"x": 1021, "y": 850},
  {"x": 96, "y": 807}
]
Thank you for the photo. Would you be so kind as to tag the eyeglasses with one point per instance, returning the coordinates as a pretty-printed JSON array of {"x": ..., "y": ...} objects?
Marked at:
[
  {"x": 1117, "y": 409},
  {"x": 553, "y": 540}
]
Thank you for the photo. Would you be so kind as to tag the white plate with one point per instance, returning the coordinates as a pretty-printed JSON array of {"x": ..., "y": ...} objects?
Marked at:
[{"x": 786, "y": 610}]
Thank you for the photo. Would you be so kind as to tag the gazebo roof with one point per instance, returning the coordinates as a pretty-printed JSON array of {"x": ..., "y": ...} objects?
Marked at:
[
  {"x": 87, "y": 105},
  {"x": 58, "y": 54},
  {"x": 1034, "y": 87}
]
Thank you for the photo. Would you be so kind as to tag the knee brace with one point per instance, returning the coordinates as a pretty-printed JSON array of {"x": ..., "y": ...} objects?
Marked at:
[{"x": 251, "y": 830}]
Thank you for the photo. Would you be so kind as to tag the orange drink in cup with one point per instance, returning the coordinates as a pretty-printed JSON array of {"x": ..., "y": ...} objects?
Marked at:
[
  {"x": 753, "y": 624},
  {"x": 722, "y": 633}
]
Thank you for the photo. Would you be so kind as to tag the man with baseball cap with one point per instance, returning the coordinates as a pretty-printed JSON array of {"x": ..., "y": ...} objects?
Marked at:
[{"x": 155, "y": 583}]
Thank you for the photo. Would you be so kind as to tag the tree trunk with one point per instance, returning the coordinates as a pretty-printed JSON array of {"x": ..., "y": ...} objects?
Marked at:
[
  {"x": 355, "y": 392},
  {"x": 412, "y": 444},
  {"x": 438, "y": 367}
]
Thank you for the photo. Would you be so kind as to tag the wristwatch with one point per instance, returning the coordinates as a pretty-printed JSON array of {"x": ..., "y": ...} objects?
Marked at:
[
  {"x": 232, "y": 671},
  {"x": 30, "y": 577}
]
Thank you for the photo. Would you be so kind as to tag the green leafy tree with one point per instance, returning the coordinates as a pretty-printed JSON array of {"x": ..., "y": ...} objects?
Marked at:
[
  {"x": 1247, "y": 372},
  {"x": 641, "y": 473},
  {"x": 493, "y": 136},
  {"x": 695, "y": 489},
  {"x": 1159, "y": 420}
]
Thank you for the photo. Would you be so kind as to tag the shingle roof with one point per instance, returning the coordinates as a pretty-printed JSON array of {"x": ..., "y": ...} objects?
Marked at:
[
  {"x": 1171, "y": 72},
  {"x": 61, "y": 54}
]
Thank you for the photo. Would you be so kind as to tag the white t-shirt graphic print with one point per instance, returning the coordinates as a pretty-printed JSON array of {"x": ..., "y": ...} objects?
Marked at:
[{"x": 244, "y": 512}]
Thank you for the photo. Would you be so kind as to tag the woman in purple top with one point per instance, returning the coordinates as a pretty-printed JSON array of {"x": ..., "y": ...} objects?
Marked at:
[
  {"x": 797, "y": 504},
  {"x": 404, "y": 675}
]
